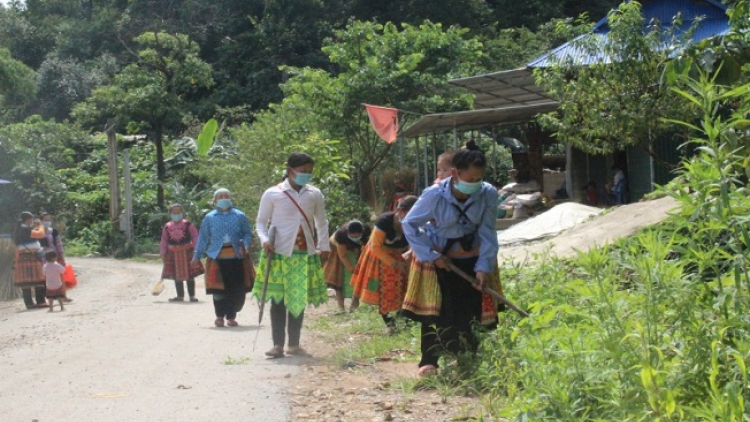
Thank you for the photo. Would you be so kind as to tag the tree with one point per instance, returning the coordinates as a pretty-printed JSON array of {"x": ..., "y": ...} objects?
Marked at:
[
  {"x": 380, "y": 64},
  {"x": 62, "y": 83},
  {"x": 33, "y": 155},
  {"x": 153, "y": 94},
  {"x": 623, "y": 99},
  {"x": 16, "y": 85}
]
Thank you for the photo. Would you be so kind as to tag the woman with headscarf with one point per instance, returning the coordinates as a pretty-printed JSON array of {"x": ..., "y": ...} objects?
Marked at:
[
  {"x": 382, "y": 272},
  {"x": 224, "y": 238},
  {"x": 347, "y": 243},
  {"x": 28, "y": 266},
  {"x": 285, "y": 221},
  {"x": 461, "y": 211}
]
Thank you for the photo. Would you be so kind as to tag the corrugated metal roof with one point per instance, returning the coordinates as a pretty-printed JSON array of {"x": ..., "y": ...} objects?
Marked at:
[
  {"x": 475, "y": 119},
  {"x": 500, "y": 89},
  {"x": 516, "y": 89},
  {"x": 709, "y": 15}
]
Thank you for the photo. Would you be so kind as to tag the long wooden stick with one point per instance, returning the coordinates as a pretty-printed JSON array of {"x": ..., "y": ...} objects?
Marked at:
[
  {"x": 489, "y": 291},
  {"x": 264, "y": 290}
]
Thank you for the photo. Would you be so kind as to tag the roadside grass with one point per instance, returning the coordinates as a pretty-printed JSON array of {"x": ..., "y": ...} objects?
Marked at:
[
  {"x": 360, "y": 337},
  {"x": 78, "y": 249},
  {"x": 236, "y": 361}
]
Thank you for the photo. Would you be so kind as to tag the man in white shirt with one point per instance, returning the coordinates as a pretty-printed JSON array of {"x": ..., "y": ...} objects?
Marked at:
[{"x": 285, "y": 222}]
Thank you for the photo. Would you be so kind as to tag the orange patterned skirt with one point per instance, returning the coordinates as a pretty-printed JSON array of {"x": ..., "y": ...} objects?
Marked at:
[{"x": 375, "y": 284}]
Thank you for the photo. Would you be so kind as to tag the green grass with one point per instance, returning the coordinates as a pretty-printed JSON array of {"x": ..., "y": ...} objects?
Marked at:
[
  {"x": 75, "y": 248},
  {"x": 360, "y": 337},
  {"x": 236, "y": 361}
]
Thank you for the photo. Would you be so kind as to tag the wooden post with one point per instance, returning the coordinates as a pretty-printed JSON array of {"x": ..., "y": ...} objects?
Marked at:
[
  {"x": 416, "y": 175},
  {"x": 114, "y": 181},
  {"x": 128, "y": 223},
  {"x": 494, "y": 155},
  {"x": 426, "y": 169}
]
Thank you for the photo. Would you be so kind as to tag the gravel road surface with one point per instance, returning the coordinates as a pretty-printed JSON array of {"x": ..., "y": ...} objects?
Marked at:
[{"x": 117, "y": 353}]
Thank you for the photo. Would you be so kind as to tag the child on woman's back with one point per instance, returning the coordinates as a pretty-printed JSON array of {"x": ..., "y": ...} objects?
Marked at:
[{"x": 53, "y": 272}]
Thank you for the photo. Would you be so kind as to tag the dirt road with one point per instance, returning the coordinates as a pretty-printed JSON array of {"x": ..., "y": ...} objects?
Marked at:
[{"x": 117, "y": 353}]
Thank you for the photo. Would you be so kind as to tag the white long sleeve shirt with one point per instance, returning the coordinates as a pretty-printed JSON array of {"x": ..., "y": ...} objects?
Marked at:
[{"x": 278, "y": 211}]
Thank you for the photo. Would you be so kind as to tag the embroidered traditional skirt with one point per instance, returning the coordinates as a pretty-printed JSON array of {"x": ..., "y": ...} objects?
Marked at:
[
  {"x": 336, "y": 275},
  {"x": 376, "y": 284},
  {"x": 423, "y": 295},
  {"x": 214, "y": 282},
  {"x": 296, "y": 281},
  {"x": 28, "y": 270},
  {"x": 177, "y": 264}
]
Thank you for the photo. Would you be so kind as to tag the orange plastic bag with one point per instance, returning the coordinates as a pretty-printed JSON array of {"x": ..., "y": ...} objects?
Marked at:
[{"x": 69, "y": 277}]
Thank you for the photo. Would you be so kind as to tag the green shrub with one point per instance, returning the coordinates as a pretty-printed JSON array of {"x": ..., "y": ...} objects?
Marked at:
[{"x": 654, "y": 327}]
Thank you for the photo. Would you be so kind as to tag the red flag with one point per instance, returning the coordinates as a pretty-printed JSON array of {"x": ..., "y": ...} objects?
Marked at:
[{"x": 384, "y": 120}]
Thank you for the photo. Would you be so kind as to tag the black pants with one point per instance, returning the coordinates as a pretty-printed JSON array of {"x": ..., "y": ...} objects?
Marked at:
[
  {"x": 460, "y": 313},
  {"x": 181, "y": 288},
  {"x": 229, "y": 302},
  {"x": 39, "y": 292},
  {"x": 282, "y": 320}
]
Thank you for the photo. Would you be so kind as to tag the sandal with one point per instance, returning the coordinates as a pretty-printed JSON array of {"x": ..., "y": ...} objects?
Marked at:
[
  {"x": 219, "y": 322},
  {"x": 426, "y": 370},
  {"x": 275, "y": 352},
  {"x": 176, "y": 299},
  {"x": 296, "y": 351},
  {"x": 232, "y": 323}
]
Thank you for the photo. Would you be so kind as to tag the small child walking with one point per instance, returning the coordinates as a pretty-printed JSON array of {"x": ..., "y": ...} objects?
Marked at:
[{"x": 53, "y": 272}]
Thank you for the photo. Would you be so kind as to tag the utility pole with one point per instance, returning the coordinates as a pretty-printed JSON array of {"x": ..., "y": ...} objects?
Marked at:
[{"x": 114, "y": 180}]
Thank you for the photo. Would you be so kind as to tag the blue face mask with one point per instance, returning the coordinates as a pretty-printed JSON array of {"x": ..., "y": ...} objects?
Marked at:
[
  {"x": 176, "y": 217},
  {"x": 467, "y": 187},
  {"x": 302, "y": 178},
  {"x": 224, "y": 204},
  {"x": 355, "y": 239},
  {"x": 47, "y": 224}
]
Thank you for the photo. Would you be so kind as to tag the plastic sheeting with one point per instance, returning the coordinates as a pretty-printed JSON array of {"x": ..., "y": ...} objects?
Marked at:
[{"x": 549, "y": 223}]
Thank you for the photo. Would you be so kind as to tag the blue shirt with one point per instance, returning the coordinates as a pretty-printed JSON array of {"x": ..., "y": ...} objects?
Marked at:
[
  {"x": 435, "y": 206},
  {"x": 218, "y": 228}
]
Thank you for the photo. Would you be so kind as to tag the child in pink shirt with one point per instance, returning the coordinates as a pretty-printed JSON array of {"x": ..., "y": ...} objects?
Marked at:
[{"x": 53, "y": 272}]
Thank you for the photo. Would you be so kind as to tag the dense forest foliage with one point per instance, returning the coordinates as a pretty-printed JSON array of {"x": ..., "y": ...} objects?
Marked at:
[
  {"x": 655, "y": 327},
  {"x": 162, "y": 68}
]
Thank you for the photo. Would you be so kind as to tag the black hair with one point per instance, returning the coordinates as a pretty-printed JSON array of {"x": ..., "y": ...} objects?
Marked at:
[
  {"x": 342, "y": 234},
  {"x": 407, "y": 202},
  {"x": 469, "y": 156},
  {"x": 355, "y": 226},
  {"x": 298, "y": 159},
  {"x": 50, "y": 256}
]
